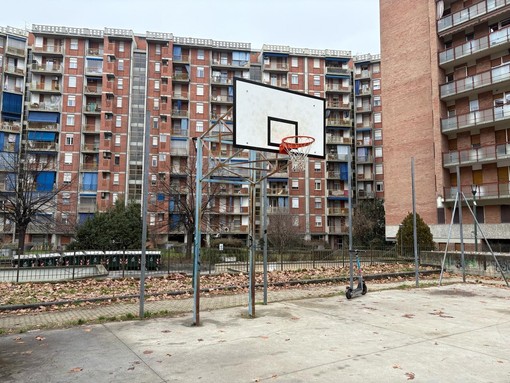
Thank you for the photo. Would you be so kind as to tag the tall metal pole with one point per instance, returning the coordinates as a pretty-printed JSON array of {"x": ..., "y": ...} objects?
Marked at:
[
  {"x": 415, "y": 233},
  {"x": 459, "y": 191},
  {"x": 263, "y": 212},
  {"x": 349, "y": 199},
  {"x": 145, "y": 190},
  {"x": 251, "y": 297},
  {"x": 198, "y": 234},
  {"x": 474, "y": 190}
]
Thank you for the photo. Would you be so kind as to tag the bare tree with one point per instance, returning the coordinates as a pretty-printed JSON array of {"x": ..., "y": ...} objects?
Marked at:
[
  {"x": 179, "y": 191},
  {"x": 29, "y": 194},
  {"x": 281, "y": 231}
]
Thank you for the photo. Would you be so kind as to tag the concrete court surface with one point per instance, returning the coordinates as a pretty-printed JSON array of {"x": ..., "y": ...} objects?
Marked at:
[{"x": 455, "y": 333}]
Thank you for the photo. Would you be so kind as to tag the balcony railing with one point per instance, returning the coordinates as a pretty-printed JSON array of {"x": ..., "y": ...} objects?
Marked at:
[
  {"x": 89, "y": 167},
  {"x": 49, "y": 49},
  {"x": 49, "y": 68},
  {"x": 334, "y": 139},
  {"x": 338, "y": 211},
  {"x": 478, "y": 118},
  {"x": 44, "y": 87},
  {"x": 337, "y": 88},
  {"x": 16, "y": 51},
  {"x": 365, "y": 194},
  {"x": 337, "y": 70},
  {"x": 90, "y": 147},
  {"x": 486, "y": 191},
  {"x": 277, "y": 66},
  {"x": 181, "y": 77},
  {"x": 471, "y": 13},
  {"x": 10, "y": 126},
  {"x": 176, "y": 113},
  {"x": 221, "y": 98},
  {"x": 13, "y": 69},
  {"x": 338, "y": 229},
  {"x": 336, "y": 157},
  {"x": 48, "y": 106},
  {"x": 488, "y": 153},
  {"x": 221, "y": 80},
  {"x": 41, "y": 145},
  {"x": 338, "y": 121},
  {"x": 494, "y": 76},
  {"x": 42, "y": 126},
  {"x": 179, "y": 132},
  {"x": 95, "y": 52},
  {"x": 277, "y": 191},
  {"x": 178, "y": 151}
]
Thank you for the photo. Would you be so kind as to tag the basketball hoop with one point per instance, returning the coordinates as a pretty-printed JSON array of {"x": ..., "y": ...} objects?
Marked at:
[{"x": 297, "y": 147}]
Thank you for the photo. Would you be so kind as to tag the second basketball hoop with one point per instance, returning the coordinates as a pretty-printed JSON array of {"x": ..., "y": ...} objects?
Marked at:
[{"x": 297, "y": 148}]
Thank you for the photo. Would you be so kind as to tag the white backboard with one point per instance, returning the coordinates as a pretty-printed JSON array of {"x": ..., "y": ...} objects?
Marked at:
[{"x": 265, "y": 114}]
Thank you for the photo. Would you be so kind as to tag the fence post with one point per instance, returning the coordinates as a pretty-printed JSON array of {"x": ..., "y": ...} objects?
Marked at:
[{"x": 74, "y": 261}]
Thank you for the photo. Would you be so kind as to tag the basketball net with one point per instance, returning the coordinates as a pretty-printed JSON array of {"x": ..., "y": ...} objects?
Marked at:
[{"x": 297, "y": 148}]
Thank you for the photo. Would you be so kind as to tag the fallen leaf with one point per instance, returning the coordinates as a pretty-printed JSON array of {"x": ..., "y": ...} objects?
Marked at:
[
  {"x": 166, "y": 331},
  {"x": 410, "y": 316},
  {"x": 76, "y": 369},
  {"x": 396, "y": 366},
  {"x": 410, "y": 375},
  {"x": 147, "y": 352},
  {"x": 39, "y": 338}
]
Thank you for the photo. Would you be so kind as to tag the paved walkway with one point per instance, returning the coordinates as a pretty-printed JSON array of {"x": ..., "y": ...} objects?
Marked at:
[{"x": 23, "y": 321}]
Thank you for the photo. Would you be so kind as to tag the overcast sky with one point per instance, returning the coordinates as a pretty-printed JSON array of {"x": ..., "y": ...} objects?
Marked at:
[{"x": 351, "y": 25}]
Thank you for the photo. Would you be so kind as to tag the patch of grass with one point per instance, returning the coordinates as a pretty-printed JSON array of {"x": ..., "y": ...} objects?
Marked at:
[{"x": 128, "y": 316}]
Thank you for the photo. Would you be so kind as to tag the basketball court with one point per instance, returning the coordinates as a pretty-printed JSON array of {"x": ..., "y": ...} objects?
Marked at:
[{"x": 455, "y": 333}]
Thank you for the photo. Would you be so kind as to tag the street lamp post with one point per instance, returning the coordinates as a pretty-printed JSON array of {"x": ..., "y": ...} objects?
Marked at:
[{"x": 474, "y": 189}]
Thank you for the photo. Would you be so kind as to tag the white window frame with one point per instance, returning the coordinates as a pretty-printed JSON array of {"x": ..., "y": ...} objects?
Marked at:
[
  {"x": 71, "y": 100},
  {"x": 119, "y": 102},
  {"x": 73, "y": 62},
  {"x": 295, "y": 202},
  {"x": 317, "y": 166},
  {"x": 69, "y": 139},
  {"x": 155, "y": 140},
  {"x": 200, "y": 108},
  {"x": 116, "y": 178},
  {"x": 72, "y": 82},
  {"x": 157, "y": 67},
  {"x": 68, "y": 158},
  {"x": 200, "y": 90},
  {"x": 376, "y": 84},
  {"x": 379, "y": 169},
  {"x": 294, "y": 79},
  {"x": 200, "y": 54},
  {"x": 318, "y": 221},
  {"x": 67, "y": 177},
  {"x": 200, "y": 72},
  {"x": 294, "y": 62},
  {"x": 120, "y": 83},
  {"x": 295, "y": 184},
  {"x": 377, "y": 117},
  {"x": 70, "y": 120},
  {"x": 318, "y": 203},
  {"x": 74, "y": 44},
  {"x": 316, "y": 80},
  {"x": 199, "y": 127},
  {"x": 378, "y": 152},
  {"x": 117, "y": 139},
  {"x": 118, "y": 121},
  {"x": 318, "y": 185}
]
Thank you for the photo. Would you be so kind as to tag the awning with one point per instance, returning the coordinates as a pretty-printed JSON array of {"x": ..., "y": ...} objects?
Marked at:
[
  {"x": 335, "y": 198},
  {"x": 277, "y": 179},
  {"x": 274, "y": 54},
  {"x": 338, "y": 59},
  {"x": 51, "y": 117},
  {"x": 42, "y": 136},
  {"x": 342, "y": 76}
]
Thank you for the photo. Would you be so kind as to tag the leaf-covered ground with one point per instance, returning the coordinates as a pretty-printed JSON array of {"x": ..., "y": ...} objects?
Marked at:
[{"x": 165, "y": 287}]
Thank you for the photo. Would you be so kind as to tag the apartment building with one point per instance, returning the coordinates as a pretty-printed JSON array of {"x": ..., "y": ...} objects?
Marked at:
[
  {"x": 446, "y": 85},
  {"x": 79, "y": 100}
]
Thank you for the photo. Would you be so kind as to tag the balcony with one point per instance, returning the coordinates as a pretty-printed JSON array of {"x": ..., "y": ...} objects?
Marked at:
[
  {"x": 49, "y": 49},
  {"x": 484, "y": 154},
  {"x": 10, "y": 126},
  {"x": 219, "y": 99},
  {"x": 342, "y": 229},
  {"x": 47, "y": 126},
  {"x": 46, "y": 106},
  {"x": 336, "y": 104},
  {"x": 97, "y": 52},
  {"x": 90, "y": 128},
  {"x": 180, "y": 96},
  {"x": 364, "y": 194},
  {"x": 176, "y": 113},
  {"x": 180, "y": 77},
  {"x": 333, "y": 70},
  {"x": 347, "y": 122},
  {"x": 41, "y": 146},
  {"x": 336, "y": 157},
  {"x": 276, "y": 67},
  {"x": 338, "y": 88},
  {"x": 89, "y": 167},
  {"x": 42, "y": 87},
  {"x": 15, "y": 51},
  {"x": 181, "y": 59},
  {"x": 333, "y": 174},
  {"x": 93, "y": 90},
  {"x": 179, "y": 132},
  {"x": 341, "y": 211},
  {"x": 480, "y": 118},
  {"x": 453, "y": 22},
  {"x": 11, "y": 69},
  {"x": 90, "y": 148},
  {"x": 182, "y": 152},
  {"x": 338, "y": 193},
  {"x": 364, "y": 159},
  {"x": 92, "y": 108},
  {"x": 480, "y": 82},
  {"x": 49, "y": 68},
  {"x": 364, "y": 142},
  {"x": 335, "y": 139},
  {"x": 487, "y": 192},
  {"x": 277, "y": 191},
  {"x": 366, "y": 108},
  {"x": 221, "y": 80}
]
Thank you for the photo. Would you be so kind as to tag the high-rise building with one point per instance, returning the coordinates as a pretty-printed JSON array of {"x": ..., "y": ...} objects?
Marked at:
[
  {"x": 446, "y": 87},
  {"x": 79, "y": 100}
]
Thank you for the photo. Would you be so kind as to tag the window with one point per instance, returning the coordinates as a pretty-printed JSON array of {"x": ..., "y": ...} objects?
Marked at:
[
  {"x": 295, "y": 202},
  {"x": 154, "y": 161},
  {"x": 162, "y": 137},
  {"x": 377, "y": 134},
  {"x": 68, "y": 158},
  {"x": 200, "y": 90},
  {"x": 379, "y": 187},
  {"x": 120, "y": 83},
  {"x": 71, "y": 100},
  {"x": 154, "y": 179},
  {"x": 376, "y": 68},
  {"x": 294, "y": 79},
  {"x": 158, "y": 49},
  {"x": 473, "y": 105},
  {"x": 117, "y": 139},
  {"x": 316, "y": 80},
  {"x": 378, "y": 168},
  {"x": 376, "y": 85},
  {"x": 157, "y": 67},
  {"x": 377, "y": 117},
  {"x": 316, "y": 63},
  {"x": 155, "y": 141},
  {"x": 72, "y": 82},
  {"x": 295, "y": 220},
  {"x": 73, "y": 62},
  {"x": 155, "y": 122},
  {"x": 200, "y": 107},
  {"x": 317, "y": 184},
  {"x": 156, "y": 85},
  {"x": 318, "y": 221},
  {"x": 378, "y": 152},
  {"x": 115, "y": 178},
  {"x": 66, "y": 199},
  {"x": 295, "y": 184},
  {"x": 377, "y": 100},
  {"x": 116, "y": 160},
  {"x": 156, "y": 104},
  {"x": 69, "y": 139},
  {"x": 200, "y": 72},
  {"x": 119, "y": 102},
  {"x": 294, "y": 62},
  {"x": 200, "y": 126},
  {"x": 200, "y": 54},
  {"x": 121, "y": 46},
  {"x": 74, "y": 44},
  {"x": 162, "y": 157},
  {"x": 67, "y": 178},
  {"x": 318, "y": 203},
  {"x": 120, "y": 65},
  {"x": 70, "y": 120},
  {"x": 317, "y": 166}
]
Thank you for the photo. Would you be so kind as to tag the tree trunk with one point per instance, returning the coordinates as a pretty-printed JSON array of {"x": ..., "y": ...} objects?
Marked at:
[
  {"x": 21, "y": 247},
  {"x": 190, "y": 243}
]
